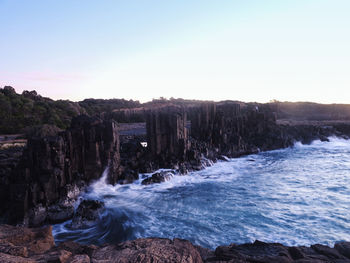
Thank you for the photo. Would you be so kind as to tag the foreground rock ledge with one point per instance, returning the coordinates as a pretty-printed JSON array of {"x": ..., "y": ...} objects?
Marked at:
[{"x": 19, "y": 244}]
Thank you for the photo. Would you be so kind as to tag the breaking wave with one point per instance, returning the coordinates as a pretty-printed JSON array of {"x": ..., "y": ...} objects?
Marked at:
[{"x": 295, "y": 196}]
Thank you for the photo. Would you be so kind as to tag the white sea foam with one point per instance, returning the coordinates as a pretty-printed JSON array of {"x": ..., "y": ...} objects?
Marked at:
[{"x": 297, "y": 196}]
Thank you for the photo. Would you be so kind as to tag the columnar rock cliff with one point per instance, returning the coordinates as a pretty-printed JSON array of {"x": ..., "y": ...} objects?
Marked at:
[
  {"x": 55, "y": 166},
  {"x": 167, "y": 135},
  {"x": 202, "y": 121},
  {"x": 232, "y": 130},
  {"x": 53, "y": 169}
]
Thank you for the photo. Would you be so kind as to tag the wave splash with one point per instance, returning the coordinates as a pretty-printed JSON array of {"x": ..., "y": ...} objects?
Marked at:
[{"x": 295, "y": 196}]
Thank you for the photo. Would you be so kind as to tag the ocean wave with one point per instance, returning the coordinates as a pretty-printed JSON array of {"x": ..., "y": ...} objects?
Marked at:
[{"x": 296, "y": 196}]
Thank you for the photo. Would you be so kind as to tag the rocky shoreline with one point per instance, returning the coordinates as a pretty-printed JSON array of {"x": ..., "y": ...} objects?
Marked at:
[
  {"x": 20, "y": 244},
  {"x": 39, "y": 183}
]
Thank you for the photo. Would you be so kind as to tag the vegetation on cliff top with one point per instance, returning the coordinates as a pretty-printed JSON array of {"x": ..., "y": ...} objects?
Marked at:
[{"x": 19, "y": 112}]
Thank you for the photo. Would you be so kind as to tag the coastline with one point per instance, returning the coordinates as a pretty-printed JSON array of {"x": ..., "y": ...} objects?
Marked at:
[
  {"x": 70, "y": 160},
  {"x": 146, "y": 205}
]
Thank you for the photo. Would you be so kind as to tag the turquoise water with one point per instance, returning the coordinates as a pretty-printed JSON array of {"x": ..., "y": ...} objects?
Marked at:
[{"x": 295, "y": 196}]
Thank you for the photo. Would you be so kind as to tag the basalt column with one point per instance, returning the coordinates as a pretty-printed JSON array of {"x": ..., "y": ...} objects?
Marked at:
[
  {"x": 52, "y": 166},
  {"x": 228, "y": 129},
  {"x": 167, "y": 135},
  {"x": 203, "y": 121}
]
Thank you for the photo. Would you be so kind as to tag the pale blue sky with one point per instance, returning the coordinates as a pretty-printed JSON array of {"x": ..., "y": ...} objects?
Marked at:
[{"x": 246, "y": 50}]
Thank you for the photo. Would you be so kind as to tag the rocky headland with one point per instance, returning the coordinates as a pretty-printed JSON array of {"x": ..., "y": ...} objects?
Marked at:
[{"x": 41, "y": 178}]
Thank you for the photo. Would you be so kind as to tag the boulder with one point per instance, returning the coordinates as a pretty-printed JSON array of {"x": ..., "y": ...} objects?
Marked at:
[
  {"x": 20, "y": 244},
  {"x": 87, "y": 213},
  {"x": 60, "y": 213},
  {"x": 157, "y": 178},
  {"x": 21, "y": 241},
  {"x": 343, "y": 248},
  {"x": 147, "y": 250},
  {"x": 327, "y": 251},
  {"x": 274, "y": 252}
]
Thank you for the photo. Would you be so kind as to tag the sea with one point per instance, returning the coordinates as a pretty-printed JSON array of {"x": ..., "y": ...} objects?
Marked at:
[{"x": 294, "y": 196}]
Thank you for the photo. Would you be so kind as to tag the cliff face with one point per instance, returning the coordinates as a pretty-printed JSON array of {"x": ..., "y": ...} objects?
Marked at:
[
  {"x": 232, "y": 130},
  {"x": 216, "y": 129},
  {"x": 41, "y": 185},
  {"x": 53, "y": 169},
  {"x": 56, "y": 166},
  {"x": 167, "y": 135}
]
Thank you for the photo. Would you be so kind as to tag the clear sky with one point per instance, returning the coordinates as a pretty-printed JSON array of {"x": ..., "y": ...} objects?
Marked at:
[{"x": 249, "y": 50}]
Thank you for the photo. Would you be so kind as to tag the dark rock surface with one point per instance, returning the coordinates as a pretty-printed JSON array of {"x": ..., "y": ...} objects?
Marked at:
[
  {"x": 9, "y": 159},
  {"x": 274, "y": 252},
  {"x": 167, "y": 136},
  {"x": 87, "y": 213},
  {"x": 133, "y": 158},
  {"x": 59, "y": 213},
  {"x": 149, "y": 250},
  {"x": 234, "y": 129},
  {"x": 20, "y": 244},
  {"x": 41, "y": 185},
  {"x": 54, "y": 169},
  {"x": 157, "y": 178}
]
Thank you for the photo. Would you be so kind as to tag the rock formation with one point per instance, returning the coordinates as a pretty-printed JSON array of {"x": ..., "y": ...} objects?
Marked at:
[
  {"x": 157, "y": 178},
  {"x": 274, "y": 252},
  {"x": 53, "y": 169},
  {"x": 87, "y": 213},
  {"x": 9, "y": 159},
  {"x": 202, "y": 122},
  {"x": 56, "y": 165},
  {"x": 232, "y": 129},
  {"x": 127, "y": 115},
  {"x": 40, "y": 185},
  {"x": 20, "y": 244},
  {"x": 167, "y": 135}
]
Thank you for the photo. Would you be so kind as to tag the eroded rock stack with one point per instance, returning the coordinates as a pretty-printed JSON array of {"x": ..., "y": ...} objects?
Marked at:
[
  {"x": 53, "y": 169},
  {"x": 167, "y": 135}
]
